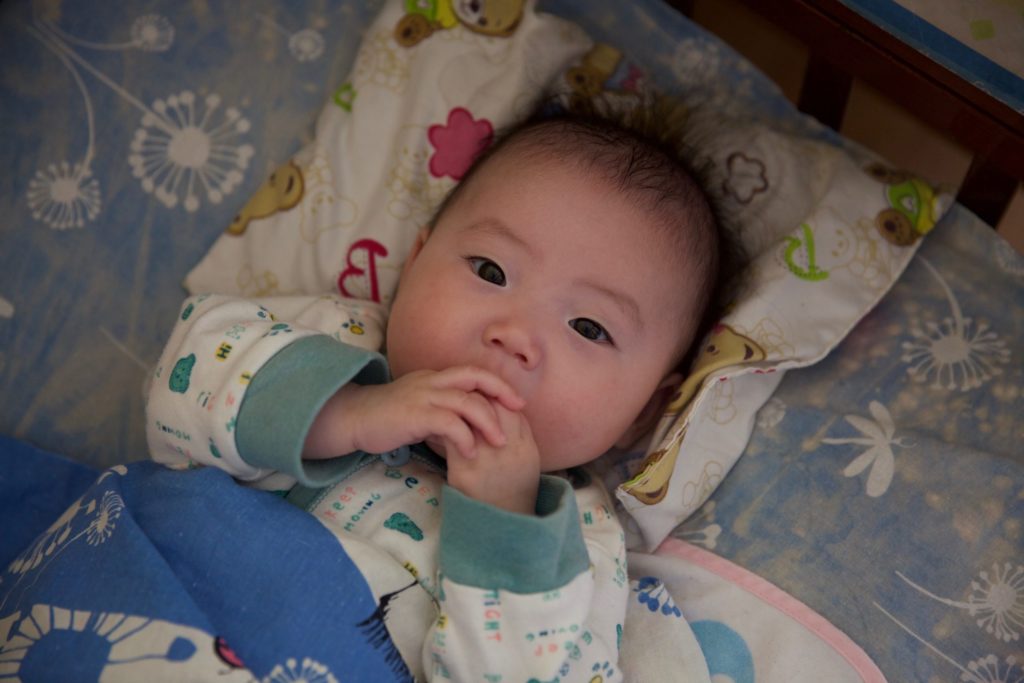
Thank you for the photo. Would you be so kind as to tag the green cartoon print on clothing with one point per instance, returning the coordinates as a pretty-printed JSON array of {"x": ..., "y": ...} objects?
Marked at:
[
  {"x": 182, "y": 373},
  {"x": 278, "y": 328},
  {"x": 401, "y": 523}
]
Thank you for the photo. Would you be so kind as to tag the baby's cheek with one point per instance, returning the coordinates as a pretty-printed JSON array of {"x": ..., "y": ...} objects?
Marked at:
[{"x": 559, "y": 431}]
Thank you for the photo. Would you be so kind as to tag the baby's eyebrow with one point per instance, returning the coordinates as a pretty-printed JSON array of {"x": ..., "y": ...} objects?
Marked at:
[
  {"x": 495, "y": 227},
  {"x": 623, "y": 301}
]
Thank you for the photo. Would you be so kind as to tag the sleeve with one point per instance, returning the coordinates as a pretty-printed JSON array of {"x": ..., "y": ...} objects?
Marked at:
[
  {"x": 238, "y": 386},
  {"x": 521, "y": 597}
]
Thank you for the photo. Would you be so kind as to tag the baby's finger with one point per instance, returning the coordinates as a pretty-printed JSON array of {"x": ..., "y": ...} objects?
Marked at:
[
  {"x": 453, "y": 431},
  {"x": 470, "y": 378},
  {"x": 476, "y": 411},
  {"x": 513, "y": 423}
]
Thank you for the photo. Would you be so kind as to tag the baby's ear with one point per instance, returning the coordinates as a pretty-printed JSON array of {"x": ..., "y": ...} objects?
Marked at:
[{"x": 651, "y": 412}]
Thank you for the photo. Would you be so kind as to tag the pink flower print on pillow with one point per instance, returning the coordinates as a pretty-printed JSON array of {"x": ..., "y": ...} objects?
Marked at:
[{"x": 458, "y": 143}]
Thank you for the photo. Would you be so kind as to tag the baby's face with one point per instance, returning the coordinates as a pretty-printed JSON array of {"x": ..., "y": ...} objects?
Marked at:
[{"x": 558, "y": 284}]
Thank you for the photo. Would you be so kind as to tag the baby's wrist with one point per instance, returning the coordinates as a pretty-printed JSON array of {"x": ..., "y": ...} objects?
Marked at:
[
  {"x": 521, "y": 500},
  {"x": 330, "y": 434},
  {"x": 522, "y": 505},
  {"x": 525, "y": 504}
]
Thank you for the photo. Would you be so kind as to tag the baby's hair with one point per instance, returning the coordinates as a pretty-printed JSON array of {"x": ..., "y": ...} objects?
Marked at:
[{"x": 643, "y": 151}]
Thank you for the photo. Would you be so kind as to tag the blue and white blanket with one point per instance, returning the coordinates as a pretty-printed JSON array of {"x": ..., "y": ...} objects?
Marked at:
[{"x": 150, "y": 574}]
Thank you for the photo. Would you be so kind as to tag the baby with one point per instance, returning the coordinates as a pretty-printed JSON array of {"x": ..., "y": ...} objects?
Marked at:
[{"x": 540, "y": 320}]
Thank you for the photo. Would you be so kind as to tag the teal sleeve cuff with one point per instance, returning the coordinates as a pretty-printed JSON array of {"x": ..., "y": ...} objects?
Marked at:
[
  {"x": 286, "y": 395},
  {"x": 486, "y": 547}
]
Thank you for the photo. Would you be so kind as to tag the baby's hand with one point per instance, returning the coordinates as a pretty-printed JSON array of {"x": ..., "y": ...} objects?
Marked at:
[
  {"x": 506, "y": 476},
  {"x": 456, "y": 406}
]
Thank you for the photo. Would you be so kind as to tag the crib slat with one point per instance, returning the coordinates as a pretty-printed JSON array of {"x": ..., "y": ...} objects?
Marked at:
[
  {"x": 987, "y": 191},
  {"x": 825, "y": 92}
]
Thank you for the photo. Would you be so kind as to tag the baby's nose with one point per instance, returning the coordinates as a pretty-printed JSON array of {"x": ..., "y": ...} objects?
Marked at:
[{"x": 514, "y": 340}]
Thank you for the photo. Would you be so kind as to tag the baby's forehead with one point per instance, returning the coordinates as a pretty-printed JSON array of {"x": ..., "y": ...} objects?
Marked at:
[{"x": 665, "y": 229}]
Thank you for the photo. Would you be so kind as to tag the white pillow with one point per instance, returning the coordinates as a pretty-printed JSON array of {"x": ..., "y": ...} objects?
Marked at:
[
  {"x": 395, "y": 137},
  {"x": 829, "y": 231}
]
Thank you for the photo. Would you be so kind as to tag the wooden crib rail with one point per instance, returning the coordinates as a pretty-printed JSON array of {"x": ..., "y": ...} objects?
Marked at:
[{"x": 844, "y": 45}]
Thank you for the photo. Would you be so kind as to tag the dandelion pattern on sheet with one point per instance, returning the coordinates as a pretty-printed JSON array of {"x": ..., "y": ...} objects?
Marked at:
[
  {"x": 64, "y": 195},
  {"x": 880, "y": 437},
  {"x": 148, "y": 33},
  {"x": 987, "y": 669},
  {"x": 186, "y": 145},
  {"x": 956, "y": 353},
  {"x": 152, "y": 33},
  {"x": 996, "y": 600},
  {"x": 306, "y": 45}
]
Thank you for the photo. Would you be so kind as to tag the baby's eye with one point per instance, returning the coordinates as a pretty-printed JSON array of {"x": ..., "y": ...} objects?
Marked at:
[
  {"x": 488, "y": 270},
  {"x": 590, "y": 330}
]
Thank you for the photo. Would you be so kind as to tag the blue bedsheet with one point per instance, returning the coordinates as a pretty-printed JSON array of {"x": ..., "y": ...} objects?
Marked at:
[
  {"x": 130, "y": 135},
  {"x": 160, "y": 575}
]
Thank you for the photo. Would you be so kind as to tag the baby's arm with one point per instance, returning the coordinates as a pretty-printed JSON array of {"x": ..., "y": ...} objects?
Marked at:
[
  {"x": 530, "y": 597},
  {"x": 252, "y": 393},
  {"x": 237, "y": 387}
]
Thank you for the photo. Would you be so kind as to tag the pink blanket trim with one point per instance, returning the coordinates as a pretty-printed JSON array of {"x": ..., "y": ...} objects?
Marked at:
[{"x": 780, "y": 600}]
